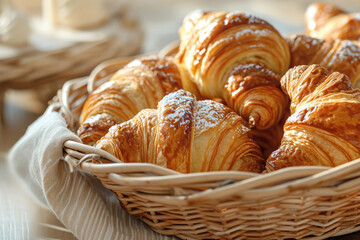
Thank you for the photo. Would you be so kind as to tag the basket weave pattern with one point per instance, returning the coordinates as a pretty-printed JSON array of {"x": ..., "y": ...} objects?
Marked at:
[{"x": 296, "y": 202}]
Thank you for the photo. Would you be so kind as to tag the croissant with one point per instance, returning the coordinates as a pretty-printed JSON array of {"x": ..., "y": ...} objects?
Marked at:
[
  {"x": 336, "y": 55},
  {"x": 270, "y": 139},
  {"x": 324, "y": 126},
  {"x": 238, "y": 58},
  {"x": 185, "y": 135},
  {"x": 139, "y": 85},
  {"x": 327, "y": 21}
]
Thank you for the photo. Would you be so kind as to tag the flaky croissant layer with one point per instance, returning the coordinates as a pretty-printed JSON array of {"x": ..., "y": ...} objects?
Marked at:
[
  {"x": 238, "y": 58},
  {"x": 186, "y": 135},
  {"x": 139, "y": 85},
  {"x": 324, "y": 128},
  {"x": 336, "y": 55}
]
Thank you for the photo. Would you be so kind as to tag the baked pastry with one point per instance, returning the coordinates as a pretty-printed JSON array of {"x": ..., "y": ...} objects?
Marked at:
[
  {"x": 185, "y": 135},
  {"x": 139, "y": 85},
  {"x": 270, "y": 139},
  {"x": 336, "y": 55},
  {"x": 238, "y": 58},
  {"x": 327, "y": 21},
  {"x": 324, "y": 126}
]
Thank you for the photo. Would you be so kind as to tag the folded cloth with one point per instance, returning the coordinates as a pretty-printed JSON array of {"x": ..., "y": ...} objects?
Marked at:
[{"x": 78, "y": 200}]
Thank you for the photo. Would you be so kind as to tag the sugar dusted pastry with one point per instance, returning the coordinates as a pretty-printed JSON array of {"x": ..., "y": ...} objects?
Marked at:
[
  {"x": 323, "y": 129},
  {"x": 336, "y": 55},
  {"x": 270, "y": 139},
  {"x": 185, "y": 135},
  {"x": 239, "y": 58},
  {"x": 139, "y": 85}
]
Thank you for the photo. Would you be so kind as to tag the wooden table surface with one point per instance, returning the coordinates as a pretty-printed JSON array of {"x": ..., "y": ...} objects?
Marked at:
[{"x": 20, "y": 216}]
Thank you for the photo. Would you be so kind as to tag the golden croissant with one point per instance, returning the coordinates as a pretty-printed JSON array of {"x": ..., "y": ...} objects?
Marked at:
[
  {"x": 139, "y": 85},
  {"x": 324, "y": 128},
  {"x": 327, "y": 21},
  {"x": 336, "y": 55},
  {"x": 238, "y": 58},
  {"x": 270, "y": 139},
  {"x": 185, "y": 135}
]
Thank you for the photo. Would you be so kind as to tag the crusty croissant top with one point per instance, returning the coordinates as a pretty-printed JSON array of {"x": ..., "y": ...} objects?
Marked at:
[
  {"x": 327, "y": 21},
  {"x": 185, "y": 135},
  {"x": 239, "y": 58},
  {"x": 336, "y": 55},
  {"x": 324, "y": 128},
  {"x": 141, "y": 84}
]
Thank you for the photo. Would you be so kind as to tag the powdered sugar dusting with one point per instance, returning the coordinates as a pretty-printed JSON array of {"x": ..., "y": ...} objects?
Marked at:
[
  {"x": 349, "y": 52},
  {"x": 251, "y": 68},
  {"x": 179, "y": 109},
  {"x": 182, "y": 111},
  {"x": 249, "y": 31},
  {"x": 208, "y": 115},
  {"x": 310, "y": 42},
  {"x": 242, "y": 17}
]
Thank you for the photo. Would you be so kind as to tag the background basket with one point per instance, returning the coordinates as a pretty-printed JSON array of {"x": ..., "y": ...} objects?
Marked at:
[
  {"x": 44, "y": 72},
  {"x": 296, "y": 202}
]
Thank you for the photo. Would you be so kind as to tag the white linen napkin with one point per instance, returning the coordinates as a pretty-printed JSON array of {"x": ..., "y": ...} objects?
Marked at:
[{"x": 78, "y": 200}]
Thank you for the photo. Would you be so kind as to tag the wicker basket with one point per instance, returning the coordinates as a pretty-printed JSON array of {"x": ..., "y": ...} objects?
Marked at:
[
  {"x": 296, "y": 202},
  {"x": 44, "y": 72}
]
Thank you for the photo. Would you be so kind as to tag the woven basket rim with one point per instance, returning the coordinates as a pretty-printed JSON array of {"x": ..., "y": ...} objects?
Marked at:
[{"x": 280, "y": 181}]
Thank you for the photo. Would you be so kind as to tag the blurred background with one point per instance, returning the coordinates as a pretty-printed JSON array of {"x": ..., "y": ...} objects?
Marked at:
[
  {"x": 161, "y": 23},
  {"x": 44, "y": 43}
]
